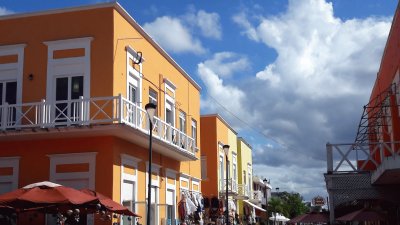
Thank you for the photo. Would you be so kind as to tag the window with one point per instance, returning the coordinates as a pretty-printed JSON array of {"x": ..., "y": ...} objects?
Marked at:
[
  {"x": 9, "y": 176},
  {"x": 169, "y": 113},
  {"x": 182, "y": 121},
  {"x": 204, "y": 167},
  {"x": 8, "y": 94},
  {"x": 153, "y": 98},
  {"x": 194, "y": 131},
  {"x": 169, "y": 102},
  {"x": 134, "y": 76},
  {"x": 221, "y": 171},
  {"x": 234, "y": 177},
  {"x": 11, "y": 80}
]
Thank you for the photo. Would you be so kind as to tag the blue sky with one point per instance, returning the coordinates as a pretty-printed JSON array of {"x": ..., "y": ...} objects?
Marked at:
[{"x": 298, "y": 72}]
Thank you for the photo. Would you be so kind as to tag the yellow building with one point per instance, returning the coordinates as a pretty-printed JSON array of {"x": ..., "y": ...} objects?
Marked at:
[
  {"x": 246, "y": 174},
  {"x": 73, "y": 86}
]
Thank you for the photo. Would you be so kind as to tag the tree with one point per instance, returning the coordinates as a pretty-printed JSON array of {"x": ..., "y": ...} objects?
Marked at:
[
  {"x": 275, "y": 205},
  {"x": 291, "y": 204}
]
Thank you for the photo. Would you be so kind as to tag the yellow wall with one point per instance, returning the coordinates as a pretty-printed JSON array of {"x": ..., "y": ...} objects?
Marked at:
[{"x": 245, "y": 158}]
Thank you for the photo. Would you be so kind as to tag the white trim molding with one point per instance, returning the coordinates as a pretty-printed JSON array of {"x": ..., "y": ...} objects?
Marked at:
[
  {"x": 18, "y": 66},
  {"x": 74, "y": 158},
  {"x": 132, "y": 75},
  {"x": 68, "y": 66},
  {"x": 12, "y": 162},
  {"x": 186, "y": 178}
]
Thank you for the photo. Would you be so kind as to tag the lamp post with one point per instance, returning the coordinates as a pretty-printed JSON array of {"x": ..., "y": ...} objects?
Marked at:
[
  {"x": 150, "y": 109},
  {"x": 226, "y": 150}
]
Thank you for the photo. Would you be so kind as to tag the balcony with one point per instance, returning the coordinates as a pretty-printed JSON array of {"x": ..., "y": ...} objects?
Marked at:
[
  {"x": 232, "y": 187},
  {"x": 29, "y": 119},
  {"x": 257, "y": 197},
  {"x": 381, "y": 159},
  {"x": 243, "y": 192}
]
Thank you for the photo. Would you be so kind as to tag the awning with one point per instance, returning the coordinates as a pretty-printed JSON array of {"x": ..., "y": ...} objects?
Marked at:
[{"x": 255, "y": 206}]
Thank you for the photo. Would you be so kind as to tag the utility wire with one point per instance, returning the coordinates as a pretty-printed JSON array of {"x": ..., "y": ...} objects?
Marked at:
[{"x": 268, "y": 137}]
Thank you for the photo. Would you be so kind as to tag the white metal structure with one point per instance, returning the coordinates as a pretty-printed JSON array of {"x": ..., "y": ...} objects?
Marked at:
[{"x": 94, "y": 111}]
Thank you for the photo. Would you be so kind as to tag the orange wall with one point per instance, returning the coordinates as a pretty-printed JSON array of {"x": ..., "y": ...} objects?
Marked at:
[
  {"x": 35, "y": 30},
  {"x": 213, "y": 131},
  {"x": 35, "y": 164},
  {"x": 155, "y": 68}
]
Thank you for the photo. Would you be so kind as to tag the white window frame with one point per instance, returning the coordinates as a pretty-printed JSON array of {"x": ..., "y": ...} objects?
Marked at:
[
  {"x": 18, "y": 66},
  {"x": 194, "y": 131},
  {"x": 182, "y": 117},
  {"x": 155, "y": 168},
  {"x": 171, "y": 174},
  {"x": 196, "y": 181},
  {"x": 12, "y": 162},
  {"x": 186, "y": 178},
  {"x": 74, "y": 158},
  {"x": 170, "y": 100},
  {"x": 132, "y": 75},
  {"x": 234, "y": 167},
  {"x": 133, "y": 162},
  {"x": 68, "y": 66},
  {"x": 221, "y": 165}
]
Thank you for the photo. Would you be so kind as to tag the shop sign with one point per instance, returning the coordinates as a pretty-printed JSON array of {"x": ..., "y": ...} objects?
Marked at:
[{"x": 318, "y": 201}]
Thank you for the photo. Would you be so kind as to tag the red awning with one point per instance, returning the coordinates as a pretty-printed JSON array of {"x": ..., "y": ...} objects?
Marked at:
[
  {"x": 310, "y": 218},
  {"x": 45, "y": 194},
  {"x": 363, "y": 215},
  {"x": 109, "y": 204}
]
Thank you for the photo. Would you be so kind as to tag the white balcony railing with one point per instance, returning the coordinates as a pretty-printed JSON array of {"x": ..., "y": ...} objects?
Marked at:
[
  {"x": 258, "y": 196},
  {"x": 232, "y": 186},
  {"x": 99, "y": 110},
  {"x": 243, "y": 190},
  {"x": 357, "y": 157}
]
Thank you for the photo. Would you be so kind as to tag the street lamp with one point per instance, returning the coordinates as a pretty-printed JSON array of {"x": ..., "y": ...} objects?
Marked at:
[
  {"x": 226, "y": 150},
  {"x": 151, "y": 110}
]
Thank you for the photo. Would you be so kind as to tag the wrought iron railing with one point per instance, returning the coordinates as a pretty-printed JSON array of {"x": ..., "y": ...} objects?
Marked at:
[{"x": 90, "y": 111}]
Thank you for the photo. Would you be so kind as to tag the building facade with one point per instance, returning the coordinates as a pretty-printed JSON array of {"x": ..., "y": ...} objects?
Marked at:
[
  {"x": 365, "y": 174},
  {"x": 217, "y": 133},
  {"x": 73, "y": 86}
]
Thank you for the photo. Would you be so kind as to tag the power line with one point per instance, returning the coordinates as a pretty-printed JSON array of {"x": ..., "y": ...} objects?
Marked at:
[{"x": 286, "y": 146}]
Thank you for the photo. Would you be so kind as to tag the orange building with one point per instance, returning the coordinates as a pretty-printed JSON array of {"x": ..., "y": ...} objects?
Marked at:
[
  {"x": 216, "y": 133},
  {"x": 365, "y": 174},
  {"x": 73, "y": 85}
]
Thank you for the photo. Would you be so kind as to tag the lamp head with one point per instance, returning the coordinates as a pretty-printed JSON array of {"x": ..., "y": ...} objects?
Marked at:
[
  {"x": 226, "y": 149},
  {"x": 151, "y": 110}
]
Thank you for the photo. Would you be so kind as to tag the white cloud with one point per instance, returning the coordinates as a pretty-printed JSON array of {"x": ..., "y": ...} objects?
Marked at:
[
  {"x": 4, "y": 11},
  {"x": 208, "y": 23},
  {"x": 311, "y": 94},
  {"x": 231, "y": 96},
  {"x": 226, "y": 63},
  {"x": 173, "y": 35}
]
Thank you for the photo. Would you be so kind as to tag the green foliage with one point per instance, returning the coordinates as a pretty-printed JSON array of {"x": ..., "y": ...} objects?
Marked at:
[{"x": 288, "y": 204}]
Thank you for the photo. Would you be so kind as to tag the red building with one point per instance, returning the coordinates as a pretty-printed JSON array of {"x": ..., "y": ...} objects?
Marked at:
[{"x": 366, "y": 173}]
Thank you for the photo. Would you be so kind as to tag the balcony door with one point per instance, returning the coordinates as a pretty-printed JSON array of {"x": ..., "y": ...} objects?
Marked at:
[
  {"x": 8, "y": 94},
  {"x": 133, "y": 95},
  {"x": 68, "y": 89}
]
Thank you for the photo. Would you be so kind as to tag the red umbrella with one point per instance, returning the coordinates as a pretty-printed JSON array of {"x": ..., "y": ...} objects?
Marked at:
[
  {"x": 310, "y": 218},
  {"x": 363, "y": 215},
  {"x": 109, "y": 204},
  {"x": 45, "y": 194}
]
